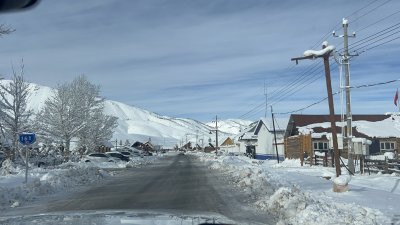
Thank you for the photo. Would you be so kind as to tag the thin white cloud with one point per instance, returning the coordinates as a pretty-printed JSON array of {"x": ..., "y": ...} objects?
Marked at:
[{"x": 190, "y": 57}]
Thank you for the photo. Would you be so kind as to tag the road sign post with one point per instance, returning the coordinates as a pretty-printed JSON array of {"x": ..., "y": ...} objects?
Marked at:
[{"x": 27, "y": 139}]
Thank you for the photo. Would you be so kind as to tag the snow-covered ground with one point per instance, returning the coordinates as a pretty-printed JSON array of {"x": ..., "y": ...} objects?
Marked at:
[
  {"x": 301, "y": 195},
  {"x": 45, "y": 181}
]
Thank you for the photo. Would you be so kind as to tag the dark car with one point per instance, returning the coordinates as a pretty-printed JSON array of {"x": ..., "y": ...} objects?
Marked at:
[
  {"x": 98, "y": 157},
  {"x": 127, "y": 154},
  {"x": 2, "y": 157},
  {"x": 118, "y": 155}
]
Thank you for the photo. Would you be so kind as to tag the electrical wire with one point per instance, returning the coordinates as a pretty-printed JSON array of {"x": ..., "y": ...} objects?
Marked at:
[
  {"x": 335, "y": 93},
  {"x": 302, "y": 81}
]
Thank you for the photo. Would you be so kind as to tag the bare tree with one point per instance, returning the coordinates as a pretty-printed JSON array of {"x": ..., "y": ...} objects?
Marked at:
[
  {"x": 99, "y": 129},
  {"x": 76, "y": 112},
  {"x": 59, "y": 119},
  {"x": 5, "y": 30},
  {"x": 14, "y": 114}
]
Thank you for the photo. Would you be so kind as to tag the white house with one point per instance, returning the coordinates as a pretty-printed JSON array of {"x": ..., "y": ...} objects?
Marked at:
[{"x": 259, "y": 141}]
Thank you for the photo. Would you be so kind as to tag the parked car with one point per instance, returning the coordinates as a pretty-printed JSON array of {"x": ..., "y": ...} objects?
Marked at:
[
  {"x": 2, "y": 157},
  {"x": 138, "y": 153},
  {"x": 118, "y": 156},
  {"x": 98, "y": 158},
  {"x": 128, "y": 154},
  {"x": 147, "y": 153}
]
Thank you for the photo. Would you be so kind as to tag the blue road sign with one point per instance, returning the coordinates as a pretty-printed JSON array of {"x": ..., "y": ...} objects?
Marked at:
[{"x": 27, "y": 138}]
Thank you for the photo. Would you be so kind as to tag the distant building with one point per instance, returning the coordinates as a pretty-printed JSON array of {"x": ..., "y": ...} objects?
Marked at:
[{"x": 258, "y": 142}]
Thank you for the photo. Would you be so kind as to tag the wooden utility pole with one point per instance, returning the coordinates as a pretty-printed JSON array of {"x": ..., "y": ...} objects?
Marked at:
[
  {"x": 332, "y": 113},
  {"x": 273, "y": 125},
  {"x": 325, "y": 56}
]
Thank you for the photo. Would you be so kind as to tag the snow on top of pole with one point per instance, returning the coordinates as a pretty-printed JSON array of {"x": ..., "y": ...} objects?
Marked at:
[
  {"x": 315, "y": 53},
  {"x": 345, "y": 21}
]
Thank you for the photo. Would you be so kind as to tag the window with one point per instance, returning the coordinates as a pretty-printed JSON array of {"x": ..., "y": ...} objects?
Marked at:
[
  {"x": 320, "y": 145},
  {"x": 387, "y": 145}
]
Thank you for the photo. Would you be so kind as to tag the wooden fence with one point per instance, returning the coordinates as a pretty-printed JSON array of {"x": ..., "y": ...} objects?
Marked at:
[
  {"x": 383, "y": 166},
  {"x": 297, "y": 147},
  {"x": 321, "y": 160}
]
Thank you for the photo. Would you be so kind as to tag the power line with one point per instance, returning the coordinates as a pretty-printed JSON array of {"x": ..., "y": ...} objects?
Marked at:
[
  {"x": 370, "y": 11},
  {"x": 376, "y": 22},
  {"x": 376, "y": 35},
  {"x": 322, "y": 100},
  {"x": 339, "y": 24},
  {"x": 383, "y": 43},
  {"x": 299, "y": 83}
]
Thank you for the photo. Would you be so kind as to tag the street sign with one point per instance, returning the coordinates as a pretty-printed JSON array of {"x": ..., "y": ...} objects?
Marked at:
[{"x": 27, "y": 138}]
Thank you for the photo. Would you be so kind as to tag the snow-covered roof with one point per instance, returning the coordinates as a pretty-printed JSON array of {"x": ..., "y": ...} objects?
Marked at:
[{"x": 389, "y": 127}]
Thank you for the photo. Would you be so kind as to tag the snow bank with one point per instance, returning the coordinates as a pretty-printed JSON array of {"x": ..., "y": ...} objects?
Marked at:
[
  {"x": 43, "y": 182},
  {"x": 286, "y": 200},
  {"x": 6, "y": 168},
  {"x": 342, "y": 180},
  {"x": 296, "y": 207},
  {"x": 388, "y": 155}
]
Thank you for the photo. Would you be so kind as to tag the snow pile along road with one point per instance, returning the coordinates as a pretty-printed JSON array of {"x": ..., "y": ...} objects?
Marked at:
[
  {"x": 41, "y": 181},
  {"x": 287, "y": 201},
  {"x": 13, "y": 192}
]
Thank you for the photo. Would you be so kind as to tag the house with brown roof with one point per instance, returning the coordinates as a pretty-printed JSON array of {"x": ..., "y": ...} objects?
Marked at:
[
  {"x": 228, "y": 142},
  {"x": 372, "y": 134}
]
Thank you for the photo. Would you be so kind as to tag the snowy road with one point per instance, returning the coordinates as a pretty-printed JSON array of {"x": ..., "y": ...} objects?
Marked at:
[{"x": 179, "y": 183}]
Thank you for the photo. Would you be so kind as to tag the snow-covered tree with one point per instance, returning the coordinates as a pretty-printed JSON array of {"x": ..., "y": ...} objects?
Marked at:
[
  {"x": 14, "y": 114},
  {"x": 76, "y": 112},
  {"x": 5, "y": 30},
  {"x": 97, "y": 131}
]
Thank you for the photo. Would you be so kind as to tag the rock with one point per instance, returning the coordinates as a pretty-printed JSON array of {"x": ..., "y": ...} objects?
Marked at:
[
  {"x": 340, "y": 188},
  {"x": 15, "y": 204}
]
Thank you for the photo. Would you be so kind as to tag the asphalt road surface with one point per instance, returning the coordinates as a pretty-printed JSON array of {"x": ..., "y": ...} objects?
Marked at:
[{"x": 179, "y": 183}]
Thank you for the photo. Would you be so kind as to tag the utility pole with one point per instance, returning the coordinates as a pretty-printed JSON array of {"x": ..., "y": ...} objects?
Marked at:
[
  {"x": 273, "y": 125},
  {"x": 266, "y": 99},
  {"x": 216, "y": 135},
  {"x": 346, "y": 63},
  {"x": 325, "y": 53},
  {"x": 197, "y": 136}
]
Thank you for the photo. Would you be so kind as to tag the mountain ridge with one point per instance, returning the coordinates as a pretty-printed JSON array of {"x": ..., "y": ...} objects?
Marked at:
[{"x": 137, "y": 124}]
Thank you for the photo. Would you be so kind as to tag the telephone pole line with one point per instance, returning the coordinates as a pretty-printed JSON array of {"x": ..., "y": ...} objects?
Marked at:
[
  {"x": 346, "y": 63},
  {"x": 325, "y": 53},
  {"x": 273, "y": 125},
  {"x": 266, "y": 99},
  {"x": 216, "y": 135}
]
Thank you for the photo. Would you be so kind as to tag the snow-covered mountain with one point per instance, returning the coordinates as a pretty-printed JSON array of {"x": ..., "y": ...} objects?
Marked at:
[{"x": 136, "y": 124}]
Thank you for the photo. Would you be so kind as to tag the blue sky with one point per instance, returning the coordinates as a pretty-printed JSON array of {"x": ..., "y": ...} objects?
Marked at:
[{"x": 196, "y": 59}]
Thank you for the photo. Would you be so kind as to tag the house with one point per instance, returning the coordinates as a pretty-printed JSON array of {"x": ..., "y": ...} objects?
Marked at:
[
  {"x": 229, "y": 146},
  {"x": 259, "y": 142},
  {"x": 372, "y": 134},
  {"x": 148, "y": 146},
  {"x": 187, "y": 145},
  {"x": 138, "y": 145},
  {"x": 228, "y": 142}
]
